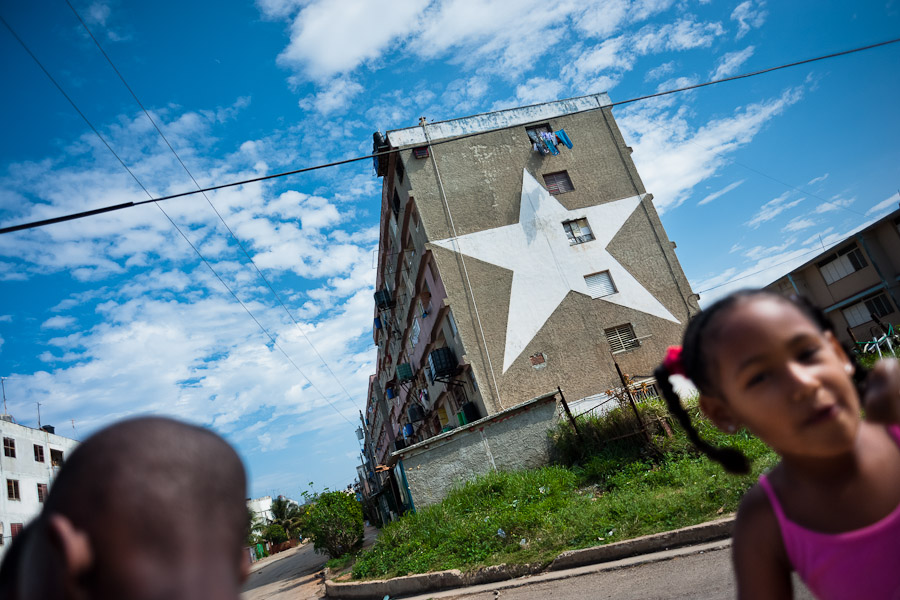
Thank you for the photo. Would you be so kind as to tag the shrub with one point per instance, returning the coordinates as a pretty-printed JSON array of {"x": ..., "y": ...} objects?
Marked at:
[
  {"x": 275, "y": 534},
  {"x": 334, "y": 523}
]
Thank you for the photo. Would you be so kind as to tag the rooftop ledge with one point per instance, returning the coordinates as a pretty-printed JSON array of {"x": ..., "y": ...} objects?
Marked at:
[{"x": 415, "y": 136}]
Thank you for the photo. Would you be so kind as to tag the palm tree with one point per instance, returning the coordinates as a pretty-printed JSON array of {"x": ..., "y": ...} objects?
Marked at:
[{"x": 287, "y": 514}]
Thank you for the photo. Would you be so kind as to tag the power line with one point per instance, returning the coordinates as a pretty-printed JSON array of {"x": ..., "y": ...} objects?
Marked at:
[
  {"x": 177, "y": 228},
  {"x": 208, "y": 201},
  {"x": 793, "y": 258},
  {"x": 123, "y": 205}
]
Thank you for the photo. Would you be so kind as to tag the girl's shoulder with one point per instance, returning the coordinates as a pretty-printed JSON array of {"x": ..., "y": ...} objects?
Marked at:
[{"x": 760, "y": 560}]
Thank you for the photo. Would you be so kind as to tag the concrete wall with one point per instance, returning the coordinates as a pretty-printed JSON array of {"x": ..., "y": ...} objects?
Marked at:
[
  {"x": 28, "y": 472},
  {"x": 512, "y": 439}
]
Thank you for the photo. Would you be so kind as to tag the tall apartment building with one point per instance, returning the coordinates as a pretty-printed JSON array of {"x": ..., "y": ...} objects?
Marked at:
[
  {"x": 30, "y": 461},
  {"x": 519, "y": 251},
  {"x": 856, "y": 282}
]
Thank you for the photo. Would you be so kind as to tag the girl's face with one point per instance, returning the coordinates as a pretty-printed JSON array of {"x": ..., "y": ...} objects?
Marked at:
[{"x": 783, "y": 378}]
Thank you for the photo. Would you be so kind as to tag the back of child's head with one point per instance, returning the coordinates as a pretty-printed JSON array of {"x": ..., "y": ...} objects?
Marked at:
[
  {"x": 697, "y": 361},
  {"x": 147, "y": 508}
]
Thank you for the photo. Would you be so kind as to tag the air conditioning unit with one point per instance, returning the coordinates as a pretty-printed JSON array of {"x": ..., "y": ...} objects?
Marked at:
[
  {"x": 404, "y": 372},
  {"x": 383, "y": 299},
  {"x": 442, "y": 363},
  {"x": 415, "y": 413}
]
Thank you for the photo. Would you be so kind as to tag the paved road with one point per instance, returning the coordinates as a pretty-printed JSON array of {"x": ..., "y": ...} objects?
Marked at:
[
  {"x": 706, "y": 576},
  {"x": 682, "y": 573},
  {"x": 292, "y": 574}
]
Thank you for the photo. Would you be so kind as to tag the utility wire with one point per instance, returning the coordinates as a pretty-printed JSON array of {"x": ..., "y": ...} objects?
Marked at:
[
  {"x": 123, "y": 205},
  {"x": 709, "y": 289},
  {"x": 177, "y": 228},
  {"x": 208, "y": 201}
]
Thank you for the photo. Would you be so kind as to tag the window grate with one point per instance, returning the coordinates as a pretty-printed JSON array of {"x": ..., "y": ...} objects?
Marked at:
[
  {"x": 622, "y": 338},
  {"x": 558, "y": 183}
]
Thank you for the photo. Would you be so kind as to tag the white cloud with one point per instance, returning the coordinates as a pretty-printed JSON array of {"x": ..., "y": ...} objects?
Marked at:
[
  {"x": 888, "y": 203},
  {"x": 660, "y": 71},
  {"x": 819, "y": 179},
  {"x": 720, "y": 193},
  {"x": 538, "y": 89},
  {"x": 773, "y": 208},
  {"x": 333, "y": 97},
  {"x": 799, "y": 224},
  {"x": 322, "y": 49},
  {"x": 731, "y": 62},
  {"x": 835, "y": 203},
  {"x": 749, "y": 16},
  {"x": 58, "y": 322},
  {"x": 673, "y": 157}
]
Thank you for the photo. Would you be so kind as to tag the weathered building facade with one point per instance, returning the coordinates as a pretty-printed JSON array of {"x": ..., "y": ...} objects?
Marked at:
[
  {"x": 519, "y": 251},
  {"x": 856, "y": 282}
]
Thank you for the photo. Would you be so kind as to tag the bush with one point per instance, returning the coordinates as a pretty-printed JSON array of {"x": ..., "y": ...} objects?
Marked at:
[
  {"x": 275, "y": 534},
  {"x": 334, "y": 523}
]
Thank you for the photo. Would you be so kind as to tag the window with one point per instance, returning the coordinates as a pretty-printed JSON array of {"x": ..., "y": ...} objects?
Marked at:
[
  {"x": 622, "y": 338},
  {"x": 9, "y": 447},
  {"x": 1, "y": 534},
  {"x": 600, "y": 284},
  {"x": 395, "y": 203},
  {"x": 452, "y": 322},
  {"x": 578, "y": 231},
  {"x": 56, "y": 457},
  {"x": 534, "y": 133},
  {"x": 38, "y": 453},
  {"x": 844, "y": 262},
  {"x": 14, "y": 530},
  {"x": 421, "y": 152},
  {"x": 414, "y": 336},
  {"x": 558, "y": 183},
  {"x": 12, "y": 489},
  {"x": 42, "y": 492},
  {"x": 862, "y": 312}
]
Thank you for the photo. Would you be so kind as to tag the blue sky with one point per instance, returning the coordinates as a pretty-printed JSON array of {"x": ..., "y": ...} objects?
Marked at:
[{"x": 115, "y": 315}]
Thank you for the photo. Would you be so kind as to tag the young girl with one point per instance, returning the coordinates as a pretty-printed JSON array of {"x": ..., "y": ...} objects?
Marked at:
[{"x": 831, "y": 508}]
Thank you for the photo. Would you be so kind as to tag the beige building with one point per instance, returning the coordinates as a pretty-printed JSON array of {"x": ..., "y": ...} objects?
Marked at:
[
  {"x": 519, "y": 252},
  {"x": 855, "y": 282}
]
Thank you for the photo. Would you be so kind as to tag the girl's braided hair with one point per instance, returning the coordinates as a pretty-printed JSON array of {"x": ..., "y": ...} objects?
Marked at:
[{"x": 696, "y": 363}]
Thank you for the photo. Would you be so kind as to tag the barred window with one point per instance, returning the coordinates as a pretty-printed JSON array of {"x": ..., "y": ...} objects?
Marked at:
[
  {"x": 558, "y": 183},
  {"x": 622, "y": 338},
  {"x": 862, "y": 312}
]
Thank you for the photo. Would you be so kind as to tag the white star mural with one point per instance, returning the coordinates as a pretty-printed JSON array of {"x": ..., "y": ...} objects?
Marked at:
[{"x": 546, "y": 267}]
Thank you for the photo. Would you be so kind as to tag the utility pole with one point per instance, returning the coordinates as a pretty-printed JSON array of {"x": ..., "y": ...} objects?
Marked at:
[
  {"x": 39, "y": 414},
  {"x": 3, "y": 386}
]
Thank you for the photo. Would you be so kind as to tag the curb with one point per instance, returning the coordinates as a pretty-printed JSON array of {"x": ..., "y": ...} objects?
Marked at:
[
  {"x": 695, "y": 534},
  {"x": 440, "y": 580}
]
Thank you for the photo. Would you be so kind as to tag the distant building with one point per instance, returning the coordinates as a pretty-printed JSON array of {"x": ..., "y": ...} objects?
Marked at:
[
  {"x": 261, "y": 508},
  {"x": 519, "y": 251},
  {"x": 855, "y": 281},
  {"x": 30, "y": 461}
]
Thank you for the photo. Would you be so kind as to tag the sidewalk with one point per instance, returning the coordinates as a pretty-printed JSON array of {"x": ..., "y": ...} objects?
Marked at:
[{"x": 567, "y": 564}]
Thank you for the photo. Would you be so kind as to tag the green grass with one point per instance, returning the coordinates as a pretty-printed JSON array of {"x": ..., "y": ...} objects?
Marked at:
[{"x": 614, "y": 493}]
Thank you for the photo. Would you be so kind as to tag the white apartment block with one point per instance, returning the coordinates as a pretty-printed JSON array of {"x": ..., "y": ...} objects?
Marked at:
[{"x": 30, "y": 461}]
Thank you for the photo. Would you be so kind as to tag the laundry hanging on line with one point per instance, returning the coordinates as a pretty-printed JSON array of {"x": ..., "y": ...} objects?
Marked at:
[{"x": 547, "y": 142}]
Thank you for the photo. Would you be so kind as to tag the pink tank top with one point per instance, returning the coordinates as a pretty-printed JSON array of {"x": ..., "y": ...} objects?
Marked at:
[{"x": 864, "y": 563}]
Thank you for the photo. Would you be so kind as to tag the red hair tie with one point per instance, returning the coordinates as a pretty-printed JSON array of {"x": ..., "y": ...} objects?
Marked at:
[{"x": 672, "y": 361}]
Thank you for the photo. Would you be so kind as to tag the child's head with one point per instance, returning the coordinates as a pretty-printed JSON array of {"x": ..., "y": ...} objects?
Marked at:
[
  {"x": 147, "y": 508},
  {"x": 771, "y": 364}
]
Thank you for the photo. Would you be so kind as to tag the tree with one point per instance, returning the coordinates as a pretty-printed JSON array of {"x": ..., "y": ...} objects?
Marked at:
[
  {"x": 334, "y": 522},
  {"x": 275, "y": 534},
  {"x": 255, "y": 526},
  {"x": 287, "y": 514}
]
